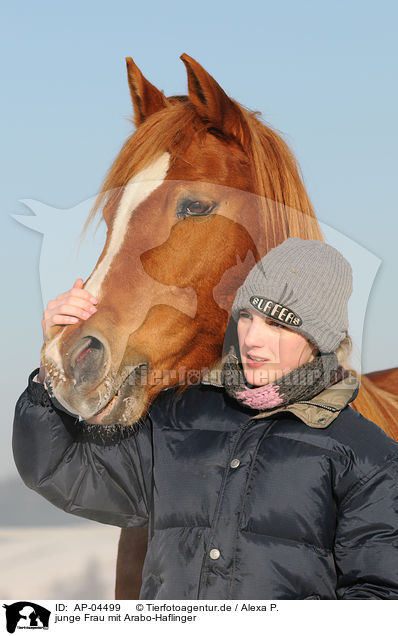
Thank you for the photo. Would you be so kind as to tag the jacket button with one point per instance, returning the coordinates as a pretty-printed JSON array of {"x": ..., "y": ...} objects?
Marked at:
[
  {"x": 214, "y": 553},
  {"x": 321, "y": 420},
  {"x": 235, "y": 463}
]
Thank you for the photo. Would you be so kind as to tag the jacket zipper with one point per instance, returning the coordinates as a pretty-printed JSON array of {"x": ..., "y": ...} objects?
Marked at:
[
  {"x": 322, "y": 406},
  {"x": 213, "y": 524},
  {"x": 241, "y": 512}
]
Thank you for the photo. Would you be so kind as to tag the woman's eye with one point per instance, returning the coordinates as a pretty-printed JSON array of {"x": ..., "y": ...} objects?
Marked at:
[
  {"x": 195, "y": 208},
  {"x": 244, "y": 314},
  {"x": 276, "y": 324}
]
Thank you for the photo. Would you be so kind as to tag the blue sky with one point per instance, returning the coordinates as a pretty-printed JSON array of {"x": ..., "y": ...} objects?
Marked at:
[{"x": 322, "y": 73}]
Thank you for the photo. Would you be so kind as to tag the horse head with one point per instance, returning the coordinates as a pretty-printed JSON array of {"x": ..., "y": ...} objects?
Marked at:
[{"x": 199, "y": 193}]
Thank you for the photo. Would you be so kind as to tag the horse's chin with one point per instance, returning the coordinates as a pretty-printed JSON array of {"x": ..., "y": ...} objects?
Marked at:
[
  {"x": 106, "y": 411},
  {"x": 126, "y": 406}
]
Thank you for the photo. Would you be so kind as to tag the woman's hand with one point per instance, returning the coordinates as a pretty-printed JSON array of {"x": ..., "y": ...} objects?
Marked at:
[{"x": 67, "y": 308}]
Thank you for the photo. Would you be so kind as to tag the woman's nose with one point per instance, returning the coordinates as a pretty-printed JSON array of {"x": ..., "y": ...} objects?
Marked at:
[
  {"x": 253, "y": 337},
  {"x": 259, "y": 334}
]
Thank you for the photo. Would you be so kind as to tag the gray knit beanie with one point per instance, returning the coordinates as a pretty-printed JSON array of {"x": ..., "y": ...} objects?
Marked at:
[{"x": 304, "y": 285}]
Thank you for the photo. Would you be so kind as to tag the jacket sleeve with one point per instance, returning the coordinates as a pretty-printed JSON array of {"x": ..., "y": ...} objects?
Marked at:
[
  {"x": 107, "y": 481},
  {"x": 366, "y": 542}
]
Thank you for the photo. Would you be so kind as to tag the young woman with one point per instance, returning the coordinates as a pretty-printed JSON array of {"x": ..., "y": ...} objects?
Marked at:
[{"x": 259, "y": 482}]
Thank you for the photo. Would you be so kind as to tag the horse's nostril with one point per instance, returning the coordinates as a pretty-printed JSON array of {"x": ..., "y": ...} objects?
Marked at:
[{"x": 87, "y": 360}]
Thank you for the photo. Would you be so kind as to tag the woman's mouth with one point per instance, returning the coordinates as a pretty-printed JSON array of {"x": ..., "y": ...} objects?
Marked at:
[{"x": 255, "y": 361}]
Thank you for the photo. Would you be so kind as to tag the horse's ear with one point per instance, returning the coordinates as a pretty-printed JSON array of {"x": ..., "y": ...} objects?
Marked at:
[
  {"x": 146, "y": 98},
  {"x": 211, "y": 103}
]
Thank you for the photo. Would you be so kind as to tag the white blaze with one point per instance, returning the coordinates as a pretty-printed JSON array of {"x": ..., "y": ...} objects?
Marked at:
[{"x": 135, "y": 192}]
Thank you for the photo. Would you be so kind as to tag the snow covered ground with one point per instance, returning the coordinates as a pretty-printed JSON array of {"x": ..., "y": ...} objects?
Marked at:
[{"x": 58, "y": 562}]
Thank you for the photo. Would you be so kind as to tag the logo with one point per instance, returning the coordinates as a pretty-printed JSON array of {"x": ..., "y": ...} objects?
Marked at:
[
  {"x": 26, "y": 615},
  {"x": 275, "y": 311}
]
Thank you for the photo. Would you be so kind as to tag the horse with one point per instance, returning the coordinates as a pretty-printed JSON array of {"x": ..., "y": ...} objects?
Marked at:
[{"x": 198, "y": 193}]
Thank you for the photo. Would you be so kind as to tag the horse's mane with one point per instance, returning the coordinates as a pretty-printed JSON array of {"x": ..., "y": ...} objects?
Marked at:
[{"x": 287, "y": 210}]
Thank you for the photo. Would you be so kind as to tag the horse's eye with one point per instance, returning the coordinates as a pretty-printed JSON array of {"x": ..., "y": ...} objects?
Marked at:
[{"x": 195, "y": 208}]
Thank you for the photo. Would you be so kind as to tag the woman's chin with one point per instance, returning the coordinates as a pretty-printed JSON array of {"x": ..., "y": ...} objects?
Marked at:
[
  {"x": 256, "y": 377},
  {"x": 261, "y": 377}
]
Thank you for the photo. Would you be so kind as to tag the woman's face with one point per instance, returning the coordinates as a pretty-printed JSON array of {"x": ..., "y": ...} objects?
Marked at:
[{"x": 269, "y": 350}]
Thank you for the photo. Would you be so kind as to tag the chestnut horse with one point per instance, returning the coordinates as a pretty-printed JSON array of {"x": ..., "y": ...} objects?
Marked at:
[{"x": 201, "y": 191}]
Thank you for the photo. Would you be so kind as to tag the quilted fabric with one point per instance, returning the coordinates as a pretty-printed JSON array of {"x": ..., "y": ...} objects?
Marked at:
[{"x": 237, "y": 506}]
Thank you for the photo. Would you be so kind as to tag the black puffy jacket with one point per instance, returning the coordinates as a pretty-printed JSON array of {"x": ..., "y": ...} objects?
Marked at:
[{"x": 297, "y": 503}]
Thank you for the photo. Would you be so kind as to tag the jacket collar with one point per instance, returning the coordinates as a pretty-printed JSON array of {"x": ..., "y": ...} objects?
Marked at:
[{"x": 318, "y": 412}]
